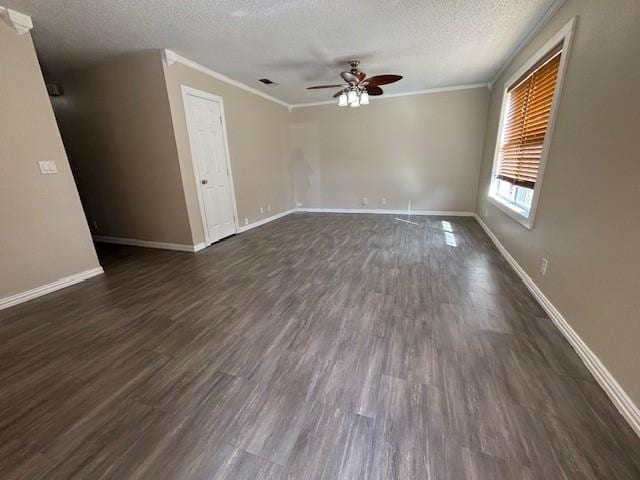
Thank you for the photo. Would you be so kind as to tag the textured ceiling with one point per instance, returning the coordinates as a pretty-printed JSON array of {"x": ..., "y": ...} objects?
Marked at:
[{"x": 296, "y": 43}]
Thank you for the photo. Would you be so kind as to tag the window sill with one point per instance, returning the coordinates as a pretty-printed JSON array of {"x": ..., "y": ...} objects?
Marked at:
[{"x": 515, "y": 212}]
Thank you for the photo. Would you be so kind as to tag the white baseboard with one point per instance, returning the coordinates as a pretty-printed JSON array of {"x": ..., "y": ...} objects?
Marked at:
[
  {"x": 244, "y": 228},
  {"x": 385, "y": 212},
  {"x": 198, "y": 247},
  {"x": 48, "y": 288},
  {"x": 349, "y": 210},
  {"x": 180, "y": 247},
  {"x": 618, "y": 396}
]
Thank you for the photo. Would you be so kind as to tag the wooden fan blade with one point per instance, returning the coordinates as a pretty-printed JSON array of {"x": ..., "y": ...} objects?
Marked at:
[
  {"x": 374, "y": 90},
  {"x": 383, "y": 79},
  {"x": 337, "y": 94},
  {"x": 325, "y": 86},
  {"x": 349, "y": 77},
  {"x": 360, "y": 76}
]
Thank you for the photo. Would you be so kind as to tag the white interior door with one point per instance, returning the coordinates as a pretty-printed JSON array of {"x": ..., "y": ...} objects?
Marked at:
[{"x": 211, "y": 165}]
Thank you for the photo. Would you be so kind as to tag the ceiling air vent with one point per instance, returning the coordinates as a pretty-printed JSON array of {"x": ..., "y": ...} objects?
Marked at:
[{"x": 266, "y": 81}]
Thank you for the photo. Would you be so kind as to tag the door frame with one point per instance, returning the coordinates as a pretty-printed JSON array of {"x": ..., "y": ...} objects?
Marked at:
[{"x": 186, "y": 91}]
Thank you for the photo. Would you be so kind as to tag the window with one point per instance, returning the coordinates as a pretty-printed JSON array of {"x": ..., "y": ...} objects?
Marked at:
[{"x": 526, "y": 121}]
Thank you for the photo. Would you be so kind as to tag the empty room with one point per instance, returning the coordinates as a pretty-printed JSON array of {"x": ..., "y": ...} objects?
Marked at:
[{"x": 299, "y": 240}]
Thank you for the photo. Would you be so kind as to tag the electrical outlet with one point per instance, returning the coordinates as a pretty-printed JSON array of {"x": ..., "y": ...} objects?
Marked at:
[
  {"x": 486, "y": 213},
  {"x": 544, "y": 265},
  {"x": 384, "y": 201},
  {"x": 299, "y": 204},
  {"x": 246, "y": 221},
  {"x": 261, "y": 209},
  {"x": 364, "y": 201},
  {"x": 269, "y": 207}
]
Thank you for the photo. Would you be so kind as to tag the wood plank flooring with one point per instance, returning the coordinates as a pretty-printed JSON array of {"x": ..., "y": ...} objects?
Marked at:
[{"x": 315, "y": 347}]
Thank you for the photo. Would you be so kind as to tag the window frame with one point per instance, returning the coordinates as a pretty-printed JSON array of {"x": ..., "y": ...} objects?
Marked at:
[{"x": 515, "y": 211}]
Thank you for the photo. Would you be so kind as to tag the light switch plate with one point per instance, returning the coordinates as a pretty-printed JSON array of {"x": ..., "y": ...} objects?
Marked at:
[{"x": 48, "y": 167}]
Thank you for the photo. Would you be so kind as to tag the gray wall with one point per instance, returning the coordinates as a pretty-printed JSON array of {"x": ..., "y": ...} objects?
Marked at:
[
  {"x": 257, "y": 135},
  {"x": 124, "y": 127},
  {"x": 43, "y": 231},
  {"x": 116, "y": 123},
  {"x": 587, "y": 222},
  {"x": 424, "y": 148}
]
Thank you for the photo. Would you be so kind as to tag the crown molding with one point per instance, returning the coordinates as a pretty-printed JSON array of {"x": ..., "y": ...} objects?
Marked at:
[
  {"x": 170, "y": 57},
  {"x": 405, "y": 94},
  {"x": 550, "y": 12},
  {"x": 19, "y": 21}
]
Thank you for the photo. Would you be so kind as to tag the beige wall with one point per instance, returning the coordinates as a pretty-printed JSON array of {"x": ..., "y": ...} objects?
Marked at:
[
  {"x": 257, "y": 131},
  {"x": 116, "y": 124},
  {"x": 424, "y": 148},
  {"x": 587, "y": 222},
  {"x": 43, "y": 231}
]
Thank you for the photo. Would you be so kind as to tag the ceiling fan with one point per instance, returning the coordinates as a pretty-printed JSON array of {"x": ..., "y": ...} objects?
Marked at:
[{"x": 357, "y": 88}]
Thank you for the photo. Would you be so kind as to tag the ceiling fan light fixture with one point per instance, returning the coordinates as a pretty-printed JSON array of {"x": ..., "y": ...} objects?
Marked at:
[{"x": 357, "y": 87}]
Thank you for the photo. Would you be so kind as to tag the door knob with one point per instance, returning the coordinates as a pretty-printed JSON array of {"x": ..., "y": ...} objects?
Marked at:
[{"x": 204, "y": 181}]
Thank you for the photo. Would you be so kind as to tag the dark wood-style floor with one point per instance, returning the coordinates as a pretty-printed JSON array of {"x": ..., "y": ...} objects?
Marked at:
[{"x": 315, "y": 347}]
